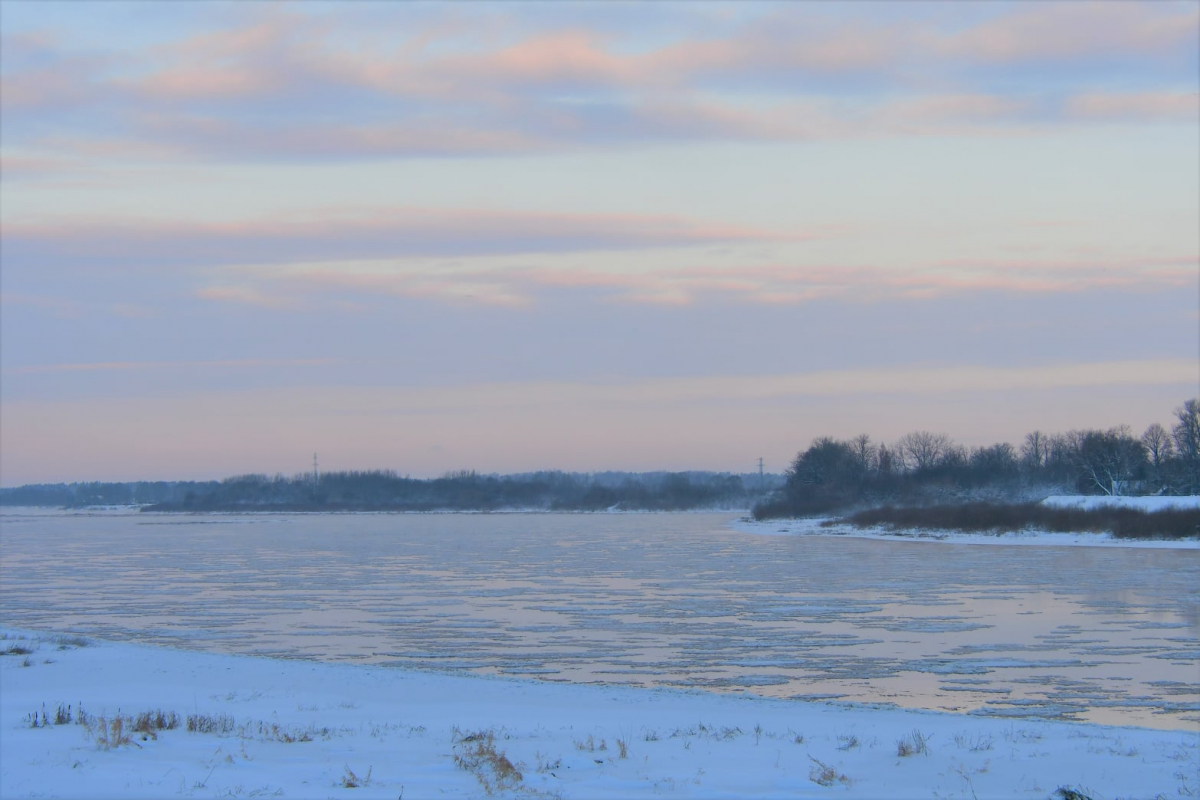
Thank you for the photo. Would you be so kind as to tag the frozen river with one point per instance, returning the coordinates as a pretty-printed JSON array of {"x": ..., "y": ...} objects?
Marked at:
[{"x": 1106, "y": 635}]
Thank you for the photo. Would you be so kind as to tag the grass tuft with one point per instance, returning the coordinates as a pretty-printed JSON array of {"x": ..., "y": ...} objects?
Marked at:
[
  {"x": 916, "y": 743},
  {"x": 476, "y": 753},
  {"x": 111, "y": 735},
  {"x": 979, "y": 744},
  {"x": 353, "y": 781},
  {"x": 149, "y": 723},
  {"x": 204, "y": 723},
  {"x": 824, "y": 775},
  {"x": 1067, "y": 793}
]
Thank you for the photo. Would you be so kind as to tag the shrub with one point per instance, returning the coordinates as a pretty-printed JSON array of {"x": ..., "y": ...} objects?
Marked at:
[{"x": 1171, "y": 523}]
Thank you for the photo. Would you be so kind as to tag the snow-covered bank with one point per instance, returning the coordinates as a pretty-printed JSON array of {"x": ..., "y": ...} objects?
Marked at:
[
  {"x": 813, "y": 526},
  {"x": 1103, "y": 501},
  {"x": 302, "y": 729}
]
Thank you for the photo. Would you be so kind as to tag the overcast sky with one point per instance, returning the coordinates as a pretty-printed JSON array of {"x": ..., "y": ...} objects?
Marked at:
[{"x": 585, "y": 236}]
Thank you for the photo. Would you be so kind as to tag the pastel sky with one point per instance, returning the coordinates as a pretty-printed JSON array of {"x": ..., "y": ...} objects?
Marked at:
[{"x": 585, "y": 236}]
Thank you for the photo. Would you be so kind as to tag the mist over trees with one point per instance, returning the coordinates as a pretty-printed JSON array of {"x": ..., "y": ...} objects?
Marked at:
[
  {"x": 924, "y": 468},
  {"x": 386, "y": 490},
  {"x": 82, "y": 495}
]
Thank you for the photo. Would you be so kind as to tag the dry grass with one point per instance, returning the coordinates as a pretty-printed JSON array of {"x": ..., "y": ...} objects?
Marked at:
[
  {"x": 1127, "y": 523},
  {"x": 205, "y": 723},
  {"x": 111, "y": 735},
  {"x": 978, "y": 744},
  {"x": 279, "y": 733},
  {"x": 352, "y": 781},
  {"x": 824, "y": 775},
  {"x": 476, "y": 753},
  {"x": 70, "y": 642},
  {"x": 1067, "y": 793},
  {"x": 149, "y": 723},
  {"x": 916, "y": 743}
]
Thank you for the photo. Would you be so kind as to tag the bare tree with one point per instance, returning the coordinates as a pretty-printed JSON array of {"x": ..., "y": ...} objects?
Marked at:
[
  {"x": 864, "y": 452},
  {"x": 1159, "y": 446},
  {"x": 1186, "y": 436},
  {"x": 922, "y": 449},
  {"x": 997, "y": 462},
  {"x": 886, "y": 460},
  {"x": 1108, "y": 460},
  {"x": 1034, "y": 449},
  {"x": 1159, "y": 449}
]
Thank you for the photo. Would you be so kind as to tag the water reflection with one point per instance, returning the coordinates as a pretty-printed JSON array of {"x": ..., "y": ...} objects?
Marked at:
[{"x": 1106, "y": 635}]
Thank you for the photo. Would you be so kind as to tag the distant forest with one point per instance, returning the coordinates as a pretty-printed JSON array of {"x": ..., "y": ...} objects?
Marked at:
[
  {"x": 832, "y": 475},
  {"x": 925, "y": 469},
  {"x": 389, "y": 491}
]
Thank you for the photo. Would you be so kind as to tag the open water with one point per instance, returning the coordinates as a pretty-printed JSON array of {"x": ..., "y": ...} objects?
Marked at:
[{"x": 1108, "y": 635}]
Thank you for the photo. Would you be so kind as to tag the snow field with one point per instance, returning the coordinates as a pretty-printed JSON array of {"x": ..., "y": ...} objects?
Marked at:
[{"x": 303, "y": 729}]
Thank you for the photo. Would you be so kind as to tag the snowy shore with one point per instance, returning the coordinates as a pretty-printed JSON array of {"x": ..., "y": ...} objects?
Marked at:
[
  {"x": 303, "y": 729},
  {"x": 813, "y": 526}
]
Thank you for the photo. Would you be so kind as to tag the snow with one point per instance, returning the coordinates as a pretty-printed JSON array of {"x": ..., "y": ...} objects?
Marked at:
[
  {"x": 405, "y": 728},
  {"x": 1152, "y": 503},
  {"x": 812, "y": 526}
]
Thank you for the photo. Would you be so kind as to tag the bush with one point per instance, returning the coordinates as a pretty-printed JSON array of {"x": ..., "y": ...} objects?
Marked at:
[{"x": 1127, "y": 523}]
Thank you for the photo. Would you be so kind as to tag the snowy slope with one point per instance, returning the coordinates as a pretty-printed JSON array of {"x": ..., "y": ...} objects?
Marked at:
[{"x": 405, "y": 729}]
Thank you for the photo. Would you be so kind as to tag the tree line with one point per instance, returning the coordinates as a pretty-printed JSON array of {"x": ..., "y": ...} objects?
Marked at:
[
  {"x": 386, "y": 490},
  {"x": 924, "y": 468}
]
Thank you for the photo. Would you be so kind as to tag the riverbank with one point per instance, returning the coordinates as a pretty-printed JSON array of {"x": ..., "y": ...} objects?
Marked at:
[
  {"x": 289, "y": 728},
  {"x": 838, "y": 526}
]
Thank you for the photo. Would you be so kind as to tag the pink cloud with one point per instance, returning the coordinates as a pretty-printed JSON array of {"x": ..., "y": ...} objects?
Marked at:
[
  {"x": 460, "y": 87},
  {"x": 346, "y": 234},
  {"x": 107, "y": 366},
  {"x": 28, "y": 167},
  {"x": 1138, "y": 106},
  {"x": 245, "y": 295},
  {"x": 57, "y": 306},
  {"x": 770, "y": 284},
  {"x": 1071, "y": 30},
  {"x": 934, "y": 108}
]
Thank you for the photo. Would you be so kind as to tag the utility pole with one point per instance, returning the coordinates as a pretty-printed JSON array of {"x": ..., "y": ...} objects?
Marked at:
[{"x": 316, "y": 475}]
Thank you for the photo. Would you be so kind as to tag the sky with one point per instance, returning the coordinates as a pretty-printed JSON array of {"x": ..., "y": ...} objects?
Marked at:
[{"x": 585, "y": 236}]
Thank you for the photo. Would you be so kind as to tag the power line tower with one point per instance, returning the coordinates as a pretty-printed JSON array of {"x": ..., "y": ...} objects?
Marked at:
[
  {"x": 761, "y": 479},
  {"x": 316, "y": 474}
]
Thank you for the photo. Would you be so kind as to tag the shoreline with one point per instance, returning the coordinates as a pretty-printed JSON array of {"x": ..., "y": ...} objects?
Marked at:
[
  {"x": 302, "y": 729},
  {"x": 812, "y": 526}
]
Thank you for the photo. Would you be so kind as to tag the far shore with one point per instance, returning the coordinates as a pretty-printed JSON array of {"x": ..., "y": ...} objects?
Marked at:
[{"x": 831, "y": 526}]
